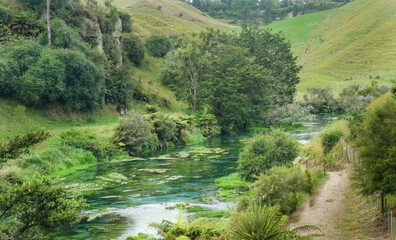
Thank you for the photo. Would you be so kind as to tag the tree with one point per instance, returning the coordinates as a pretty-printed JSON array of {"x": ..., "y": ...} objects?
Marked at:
[
  {"x": 193, "y": 60},
  {"x": 133, "y": 48},
  {"x": 49, "y": 23},
  {"x": 376, "y": 142},
  {"x": 20, "y": 144},
  {"x": 188, "y": 63},
  {"x": 158, "y": 46},
  {"x": 236, "y": 90},
  {"x": 63, "y": 76},
  {"x": 263, "y": 151},
  {"x": 273, "y": 53},
  {"x": 25, "y": 210}
]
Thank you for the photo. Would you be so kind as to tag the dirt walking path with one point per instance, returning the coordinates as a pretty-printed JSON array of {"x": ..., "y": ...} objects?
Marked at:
[
  {"x": 325, "y": 207},
  {"x": 340, "y": 212}
]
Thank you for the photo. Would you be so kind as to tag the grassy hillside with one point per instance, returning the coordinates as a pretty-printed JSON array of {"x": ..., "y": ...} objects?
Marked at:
[
  {"x": 299, "y": 29},
  {"x": 342, "y": 48},
  {"x": 166, "y": 17}
]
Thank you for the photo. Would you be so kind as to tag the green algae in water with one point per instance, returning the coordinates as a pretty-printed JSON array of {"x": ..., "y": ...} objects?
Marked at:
[{"x": 158, "y": 171}]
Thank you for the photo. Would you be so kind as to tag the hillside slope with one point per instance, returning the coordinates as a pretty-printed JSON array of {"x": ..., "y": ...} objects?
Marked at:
[
  {"x": 343, "y": 47},
  {"x": 166, "y": 17},
  {"x": 299, "y": 29}
]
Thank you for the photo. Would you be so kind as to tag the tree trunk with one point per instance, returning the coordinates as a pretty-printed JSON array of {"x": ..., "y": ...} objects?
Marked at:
[{"x": 49, "y": 24}]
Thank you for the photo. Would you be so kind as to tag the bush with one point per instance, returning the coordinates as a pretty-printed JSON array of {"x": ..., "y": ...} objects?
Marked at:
[
  {"x": 121, "y": 88},
  {"x": 133, "y": 133},
  {"x": 28, "y": 209},
  {"x": 18, "y": 145},
  {"x": 133, "y": 48},
  {"x": 126, "y": 22},
  {"x": 264, "y": 151},
  {"x": 359, "y": 97},
  {"x": 202, "y": 228},
  {"x": 4, "y": 15},
  {"x": 23, "y": 53},
  {"x": 8, "y": 80},
  {"x": 286, "y": 114},
  {"x": 329, "y": 138},
  {"x": 280, "y": 186},
  {"x": 259, "y": 222},
  {"x": 64, "y": 76},
  {"x": 89, "y": 142},
  {"x": 158, "y": 46},
  {"x": 208, "y": 125},
  {"x": 321, "y": 100},
  {"x": 64, "y": 36}
]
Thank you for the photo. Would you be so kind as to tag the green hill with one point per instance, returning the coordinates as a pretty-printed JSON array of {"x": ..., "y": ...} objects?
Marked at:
[
  {"x": 299, "y": 29},
  {"x": 166, "y": 17},
  {"x": 342, "y": 48}
]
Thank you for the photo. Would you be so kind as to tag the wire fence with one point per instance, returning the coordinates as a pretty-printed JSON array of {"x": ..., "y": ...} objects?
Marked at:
[{"x": 351, "y": 156}]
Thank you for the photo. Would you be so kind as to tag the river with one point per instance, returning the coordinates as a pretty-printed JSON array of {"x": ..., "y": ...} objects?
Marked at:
[{"x": 124, "y": 197}]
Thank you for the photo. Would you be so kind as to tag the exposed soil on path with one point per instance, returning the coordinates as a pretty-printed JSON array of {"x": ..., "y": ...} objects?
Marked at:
[{"x": 327, "y": 207}]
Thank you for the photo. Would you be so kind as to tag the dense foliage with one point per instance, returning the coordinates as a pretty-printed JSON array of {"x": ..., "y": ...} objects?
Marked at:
[
  {"x": 133, "y": 133},
  {"x": 81, "y": 69},
  {"x": 133, "y": 48},
  {"x": 238, "y": 78},
  {"x": 20, "y": 144},
  {"x": 28, "y": 209},
  {"x": 139, "y": 133},
  {"x": 376, "y": 141},
  {"x": 264, "y": 10},
  {"x": 263, "y": 151},
  {"x": 158, "y": 46},
  {"x": 280, "y": 186},
  {"x": 353, "y": 98}
]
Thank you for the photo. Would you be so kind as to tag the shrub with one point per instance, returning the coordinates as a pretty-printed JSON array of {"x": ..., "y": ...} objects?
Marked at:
[
  {"x": 286, "y": 114},
  {"x": 208, "y": 125},
  {"x": 8, "y": 79},
  {"x": 329, "y": 138},
  {"x": 44, "y": 82},
  {"x": 23, "y": 54},
  {"x": 21, "y": 144},
  {"x": 65, "y": 76},
  {"x": 64, "y": 36},
  {"x": 121, "y": 88},
  {"x": 202, "y": 228},
  {"x": 280, "y": 186},
  {"x": 158, "y": 46},
  {"x": 4, "y": 15},
  {"x": 132, "y": 134},
  {"x": 264, "y": 151},
  {"x": 133, "y": 48},
  {"x": 89, "y": 142},
  {"x": 321, "y": 100},
  {"x": 30, "y": 208},
  {"x": 126, "y": 22},
  {"x": 359, "y": 97}
]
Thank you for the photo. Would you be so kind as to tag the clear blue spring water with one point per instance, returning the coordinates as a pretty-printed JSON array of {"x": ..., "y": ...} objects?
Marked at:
[{"x": 125, "y": 197}]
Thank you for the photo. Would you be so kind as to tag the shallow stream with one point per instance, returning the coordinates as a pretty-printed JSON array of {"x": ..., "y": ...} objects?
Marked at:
[{"x": 125, "y": 197}]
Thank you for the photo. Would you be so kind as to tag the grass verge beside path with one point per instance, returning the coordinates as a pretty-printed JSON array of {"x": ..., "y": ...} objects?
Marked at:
[{"x": 361, "y": 219}]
